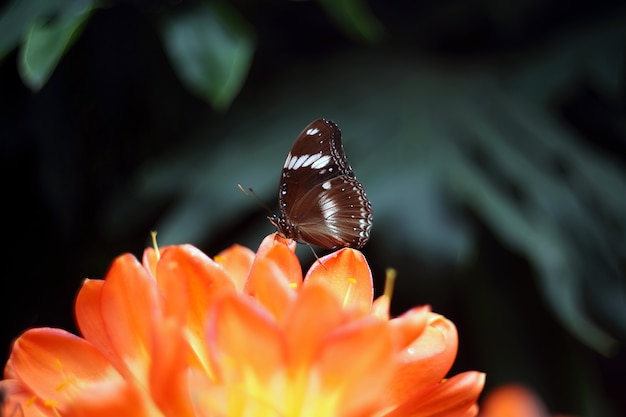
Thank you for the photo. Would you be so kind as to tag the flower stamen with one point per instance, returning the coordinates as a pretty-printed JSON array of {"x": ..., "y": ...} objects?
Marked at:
[
  {"x": 381, "y": 306},
  {"x": 351, "y": 284},
  {"x": 153, "y": 234},
  {"x": 50, "y": 403},
  {"x": 390, "y": 282},
  {"x": 62, "y": 385},
  {"x": 66, "y": 380}
]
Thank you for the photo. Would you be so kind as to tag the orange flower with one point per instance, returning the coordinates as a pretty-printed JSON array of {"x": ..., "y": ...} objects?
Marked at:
[
  {"x": 242, "y": 334},
  {"x": 513, "y": 400}
]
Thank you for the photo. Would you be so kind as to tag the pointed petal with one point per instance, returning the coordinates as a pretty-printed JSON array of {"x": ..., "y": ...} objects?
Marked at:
[
  {"x": 274, "y": 275},
  {"x": 9, "y": 370},
  {"x": 68, "y": 376},
  {"x": 272, "y": 240},
  {"x": 452, "y": 397},
  {"x": 316, "y": 313},
  {"x": 281, "y": 252},
  {"x": 236, "y": 261},
  {"x": 348, "y": 274},
  {"x": 19, "y": 401},
  {"x": 353, "y": 363},
  {"x": 87, "y": 310},
  {"x": 107, "y": 399},
  {"x": 512, "y": 401},
  {"x": 168, "y": 375},
  {"x": 57, "y": 365},
  {"x": 234, "y": 323},
  {"x": 190, "y": 282},
  {"x": 150, "y": 259},
  {"x": 380, "y": 307},
  {"x": 131, "y": 305},
  {"x": 409, "y": 326},
  {"x": 426, "y": 361}
]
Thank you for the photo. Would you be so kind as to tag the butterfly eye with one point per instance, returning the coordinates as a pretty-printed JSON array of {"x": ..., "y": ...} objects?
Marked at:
[{"x": 320, "y": 200}]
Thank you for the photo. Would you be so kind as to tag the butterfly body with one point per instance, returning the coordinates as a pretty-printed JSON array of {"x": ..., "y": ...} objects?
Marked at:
[{"x": 320, "y": 200}]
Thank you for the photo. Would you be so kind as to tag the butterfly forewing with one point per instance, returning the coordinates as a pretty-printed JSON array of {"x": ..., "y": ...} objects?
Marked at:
[{"x": 321, "y": 202}]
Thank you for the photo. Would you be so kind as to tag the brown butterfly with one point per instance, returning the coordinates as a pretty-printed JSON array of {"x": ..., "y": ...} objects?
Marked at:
[{"x": 320, "y": 200}]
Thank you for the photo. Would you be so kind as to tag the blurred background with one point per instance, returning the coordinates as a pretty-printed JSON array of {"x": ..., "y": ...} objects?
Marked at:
[{"x": 490, "y": 137}]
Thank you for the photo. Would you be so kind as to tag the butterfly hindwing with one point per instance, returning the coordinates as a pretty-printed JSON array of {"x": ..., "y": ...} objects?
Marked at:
[{"x": 338, "y": 214}]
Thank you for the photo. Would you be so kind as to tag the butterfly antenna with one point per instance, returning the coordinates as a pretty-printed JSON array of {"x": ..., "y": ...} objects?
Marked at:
[{"x": 252, "y": 195}]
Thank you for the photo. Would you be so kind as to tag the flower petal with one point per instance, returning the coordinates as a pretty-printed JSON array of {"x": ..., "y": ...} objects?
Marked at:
[
  {"x": 131, "y": 307},
  {"x": 512, "y": 401},
  {"x": 274, "y": 275},
  {"x": 381, "y": 306},
  {"x": 456, "y": 396},
  {"x": 190, "y": 282},
  {"x": 353, "y": 364},
  {"x": 169, "y": 384},
  {"x": 213, "y": 400},
  {"x": 57, "y": 365},
  {"x": 234, "y": 323},
  {"x": 150, "y": 259},
  {"x": 282, "y": 253},
  {"x": 9, "y": 370},
  {"x": 87, "y": 310},
  {"x": 316, "y": 313},
  {"x": 348, "y": 274},
  {"x": 426, "y": 361},
  {"x": 409, "y": 326},
  {"x": 236, "y": 261},
  {"x": 107, "y": 399},
  {"x": 17, "y": 400},
  {"x": 275, "y": 239}
]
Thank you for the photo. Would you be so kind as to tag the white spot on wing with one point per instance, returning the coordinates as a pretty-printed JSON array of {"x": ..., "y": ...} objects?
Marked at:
[
  {"x": 287, "y": 161},
  {"x": 312, "y": 131},
  {"x": 298, "y": 163},
  {"x": 329, "y": 209},
  {"x": 292, "y": 162},
  {"x": 311, "y": 159},
  {"x": 321, "y": 162},
  {"x": 326, "y": 185}
]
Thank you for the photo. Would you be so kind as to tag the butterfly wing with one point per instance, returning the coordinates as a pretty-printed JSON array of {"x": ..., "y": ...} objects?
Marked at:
[
  {"x": 335, "y": 214},
  {"x": 320, "y": 200}
]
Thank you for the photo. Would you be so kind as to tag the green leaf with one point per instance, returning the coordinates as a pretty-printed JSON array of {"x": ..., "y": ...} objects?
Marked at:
[
  {"x": 355, "y": 18},
  {"x": 210, "y": 47},
  {"x": 47, "y": 41},
  {"x": 18, "y": 16}
]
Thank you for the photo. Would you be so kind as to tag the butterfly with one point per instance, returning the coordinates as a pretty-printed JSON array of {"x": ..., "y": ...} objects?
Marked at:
[{"x": 320, "y": 200}]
